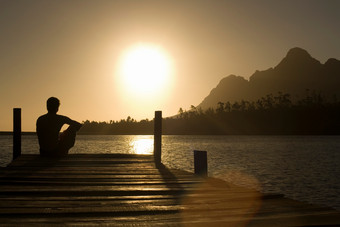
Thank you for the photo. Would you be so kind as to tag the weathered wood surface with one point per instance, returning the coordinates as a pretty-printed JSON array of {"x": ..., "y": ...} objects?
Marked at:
[{"x": 105, "y": 189}]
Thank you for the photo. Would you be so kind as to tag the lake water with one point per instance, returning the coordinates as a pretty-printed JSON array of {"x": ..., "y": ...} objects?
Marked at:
[{"x": 306, "y": 168}]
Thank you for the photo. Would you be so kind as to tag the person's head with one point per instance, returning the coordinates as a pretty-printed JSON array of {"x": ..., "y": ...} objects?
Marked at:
[{"x": 53, "y": 105}]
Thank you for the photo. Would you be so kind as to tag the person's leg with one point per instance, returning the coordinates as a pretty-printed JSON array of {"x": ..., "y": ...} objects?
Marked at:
[{"x": 66, "y": 140}]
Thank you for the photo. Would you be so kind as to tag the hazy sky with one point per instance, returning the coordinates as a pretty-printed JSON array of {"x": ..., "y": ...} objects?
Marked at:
[{"x": 71, "y": 50}]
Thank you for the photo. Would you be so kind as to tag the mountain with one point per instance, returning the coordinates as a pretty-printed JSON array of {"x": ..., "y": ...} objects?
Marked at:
[{"x": 297, "y": 72}]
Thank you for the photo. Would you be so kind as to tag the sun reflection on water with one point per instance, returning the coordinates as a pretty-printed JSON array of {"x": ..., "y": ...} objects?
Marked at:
[{"x": 142, "y": 145}]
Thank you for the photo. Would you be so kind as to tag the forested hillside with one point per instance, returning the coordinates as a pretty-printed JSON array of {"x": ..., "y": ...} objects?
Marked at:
[
  {"x": 272, "y": 114},
  {"x": 297, "y": 72}
]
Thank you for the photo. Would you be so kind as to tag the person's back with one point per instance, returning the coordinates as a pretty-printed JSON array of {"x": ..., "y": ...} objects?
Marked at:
[{"x": 48, "y": 128}]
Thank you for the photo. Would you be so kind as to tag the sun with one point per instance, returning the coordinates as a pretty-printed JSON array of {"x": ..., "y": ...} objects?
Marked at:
[{"x": 145, "y": 69}]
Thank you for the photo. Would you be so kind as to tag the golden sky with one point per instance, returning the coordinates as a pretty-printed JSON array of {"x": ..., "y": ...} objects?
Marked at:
[{"x": 74, "y": 50}]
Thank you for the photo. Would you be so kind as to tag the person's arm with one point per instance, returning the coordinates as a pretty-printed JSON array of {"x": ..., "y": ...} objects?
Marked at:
[{"x": 75, "y": 124}]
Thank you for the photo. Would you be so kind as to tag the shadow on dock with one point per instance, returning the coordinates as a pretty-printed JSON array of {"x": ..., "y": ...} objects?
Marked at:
[{"x": 170, "y": 180}]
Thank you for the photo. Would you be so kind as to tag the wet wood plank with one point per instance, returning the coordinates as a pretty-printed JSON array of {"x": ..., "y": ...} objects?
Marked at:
[{"x": 122, "y": 189}]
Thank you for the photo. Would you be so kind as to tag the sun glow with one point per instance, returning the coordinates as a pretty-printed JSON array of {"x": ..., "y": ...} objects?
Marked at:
[
  {"x": 142, "y": 146},
  {"x": 145, "y": 70}
]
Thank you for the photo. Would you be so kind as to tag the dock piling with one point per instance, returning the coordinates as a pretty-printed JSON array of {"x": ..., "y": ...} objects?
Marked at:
[
  {"x": 158, "y": 137},
  {"x": 200, "y": 163},
  {"x": 16, "y": 132}
]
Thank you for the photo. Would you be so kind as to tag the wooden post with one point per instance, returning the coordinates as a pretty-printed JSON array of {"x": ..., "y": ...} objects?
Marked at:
[
  {"x": 16, "y": 132},
  {"x": 157, "y": 151},
  {"x": 200, "y": 163}
]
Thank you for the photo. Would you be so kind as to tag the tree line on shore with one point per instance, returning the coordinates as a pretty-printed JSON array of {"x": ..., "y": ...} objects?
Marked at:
[{"x": 272, "y": 114}]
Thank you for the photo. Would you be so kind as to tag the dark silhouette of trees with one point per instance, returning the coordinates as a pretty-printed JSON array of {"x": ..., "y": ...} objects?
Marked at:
[
  {"x": 271, "y": 114},
  {"x": 128, "y": 126}
]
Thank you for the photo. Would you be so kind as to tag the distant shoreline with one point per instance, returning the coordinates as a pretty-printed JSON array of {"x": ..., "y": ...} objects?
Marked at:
[
  {"x": 179, "y": 134},
  {"x": 11, "y": 133}
]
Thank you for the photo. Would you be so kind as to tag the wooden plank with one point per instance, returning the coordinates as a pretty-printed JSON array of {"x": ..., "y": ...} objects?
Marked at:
[{"x": 110, "y": 189}]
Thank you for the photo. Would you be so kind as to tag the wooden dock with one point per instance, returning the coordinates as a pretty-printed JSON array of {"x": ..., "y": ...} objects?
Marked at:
[{"x": 119, "y": 189}]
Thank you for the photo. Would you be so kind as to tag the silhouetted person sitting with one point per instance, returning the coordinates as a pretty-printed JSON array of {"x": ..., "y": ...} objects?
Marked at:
[{"x": 48, "y": 129}]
